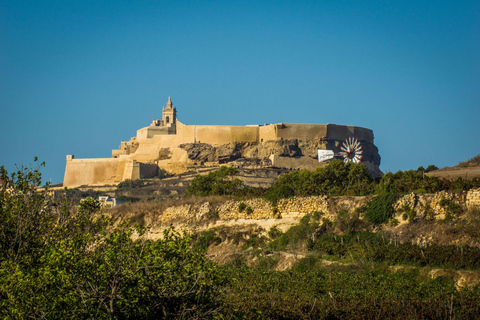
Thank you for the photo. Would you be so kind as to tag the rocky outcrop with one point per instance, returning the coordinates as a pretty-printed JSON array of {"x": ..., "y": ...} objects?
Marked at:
[
  {"x": 228, "y": 152},
  {"x": 201, "y": 152}
]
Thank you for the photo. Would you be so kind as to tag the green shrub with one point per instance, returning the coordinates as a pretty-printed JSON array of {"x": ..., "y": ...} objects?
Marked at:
[
  {"x": 429, "y": 212},
  {"x": 213, "y": 214},
  {"x": 347, "y": 222},
  {"x": 129, "y": 185},
  {"x": 296, "y": 234},
  {"x": 249, "y": 210},
  {"x": 266, "y": 263},
  {"x": 278, "y": 193},
  {"x": 219, "y": 182},
  {"x": 207, "y": 238},
  {"x": 252, "y": 240},
  {"x": 274, "y": 232},
  {"x": 128, "y": 199},
  {"x": 394, "y": 222},
  {"x": 411, "y": 215},
  {"x": 241, "y": 207},
  {"x": 380, "y": 209},
  {"x": 452, "y": 209}
]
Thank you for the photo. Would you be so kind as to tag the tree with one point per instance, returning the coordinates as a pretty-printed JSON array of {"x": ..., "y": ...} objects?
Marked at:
[{"x": 64, "y": 261}]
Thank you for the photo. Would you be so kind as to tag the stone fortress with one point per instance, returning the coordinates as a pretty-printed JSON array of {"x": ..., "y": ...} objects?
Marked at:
[{"x": 170, "y": 145}]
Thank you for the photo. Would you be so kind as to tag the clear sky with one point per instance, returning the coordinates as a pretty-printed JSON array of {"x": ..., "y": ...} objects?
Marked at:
[{"x": 77, "y": 77}]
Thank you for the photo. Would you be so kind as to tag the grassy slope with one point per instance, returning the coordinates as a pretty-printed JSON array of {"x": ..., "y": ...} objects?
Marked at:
[{"x": 466, "y": 169}]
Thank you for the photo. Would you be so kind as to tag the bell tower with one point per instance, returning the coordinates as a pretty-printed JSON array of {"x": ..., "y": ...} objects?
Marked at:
[{"x": 169, "y": 114}]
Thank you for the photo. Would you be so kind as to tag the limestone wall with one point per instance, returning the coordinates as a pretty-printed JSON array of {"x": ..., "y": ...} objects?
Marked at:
[
  {"x": 339, "y": 132},
  {"x": 261, "y": 209},
  {"x": 268, "y": 132},
  {"x": 96, "y": 171},
  {"x": 303, "y": 204},
  {"x": 473, "y": 198},
  {"x": 301, "y": 131},
  {"x": 299, "y": 206},
  {"x": 218, "y": 135}
]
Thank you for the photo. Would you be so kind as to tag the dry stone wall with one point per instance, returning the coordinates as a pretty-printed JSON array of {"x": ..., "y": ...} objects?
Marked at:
[
  {"x": 257, "y": 208},
  {"x": 303, "y": 204},
  {"x": 424, "y": 206},
  {"x": 473, "y": 198}
]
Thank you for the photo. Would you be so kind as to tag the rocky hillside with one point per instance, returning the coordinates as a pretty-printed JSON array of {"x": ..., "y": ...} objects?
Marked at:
[{"x": 443, "y": 218}]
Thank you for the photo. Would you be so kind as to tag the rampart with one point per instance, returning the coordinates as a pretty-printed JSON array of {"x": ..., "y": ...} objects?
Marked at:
[{"x": 170, "y": 145}]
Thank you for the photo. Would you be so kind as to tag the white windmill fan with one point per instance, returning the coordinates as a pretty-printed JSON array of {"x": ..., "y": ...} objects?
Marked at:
[{"x": 351, "y": 150}]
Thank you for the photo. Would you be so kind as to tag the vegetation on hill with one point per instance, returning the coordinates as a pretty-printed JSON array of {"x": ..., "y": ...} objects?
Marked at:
[
  {"x": 219, "y": 182},
  {"x": 335, "y": 179},
  {"x": 474, "y": 162},
  {"x": 59, "y": 260},
  {"x": 346, "y": 273}
]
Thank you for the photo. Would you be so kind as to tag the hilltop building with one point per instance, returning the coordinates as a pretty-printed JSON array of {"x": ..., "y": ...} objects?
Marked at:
[{"x": 174, "y": 146}]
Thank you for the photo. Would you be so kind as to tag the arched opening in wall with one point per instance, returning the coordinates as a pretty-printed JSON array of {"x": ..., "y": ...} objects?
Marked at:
[{"x": 168, "y": 119}]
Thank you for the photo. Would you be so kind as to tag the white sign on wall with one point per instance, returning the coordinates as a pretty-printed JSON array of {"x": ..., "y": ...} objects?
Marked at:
[{"x": 324, "y": 155}]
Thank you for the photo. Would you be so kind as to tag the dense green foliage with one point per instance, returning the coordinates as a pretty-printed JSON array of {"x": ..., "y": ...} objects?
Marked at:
[
  {"x": 296, "y": 234},
  {"x": 380, "y": 209},
  {"x": 219, "y": 182},
  {"x": 58, "y": 262},
  {"x": 335, "y": 179},
  {"x": 378, "y": 248},
  {"x": 340, "y": 293}
]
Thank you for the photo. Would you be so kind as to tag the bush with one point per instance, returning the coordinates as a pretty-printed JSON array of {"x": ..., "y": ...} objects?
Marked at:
[
  {"x": 129, "y": 185},
  {"x": 241, "y": 207},
  {"x": 274, "y": 232},
  {"x": 128, "y": 199},
  {"x": 452, "y": 209},
  {"x": 380, "y": 209},
  {"x": 296, "y": 234},
  {"x": 347, "y": 222},
  {"x": 207, "y": 238},
  {"x": 219, "y": 182},
  {"x": 278, "y": 193}
]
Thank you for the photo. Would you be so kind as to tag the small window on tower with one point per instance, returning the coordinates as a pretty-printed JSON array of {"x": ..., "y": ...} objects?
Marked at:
[{"x": 168, "y": 119}]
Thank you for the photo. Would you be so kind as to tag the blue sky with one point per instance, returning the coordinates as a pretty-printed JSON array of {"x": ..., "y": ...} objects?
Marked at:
[{"x": 77, "y": 77}]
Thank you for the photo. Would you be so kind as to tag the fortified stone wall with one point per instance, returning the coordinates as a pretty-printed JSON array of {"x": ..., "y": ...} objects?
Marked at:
[
  {"x": 174, "y": 146},
  {"x": 94, "y": 171}
]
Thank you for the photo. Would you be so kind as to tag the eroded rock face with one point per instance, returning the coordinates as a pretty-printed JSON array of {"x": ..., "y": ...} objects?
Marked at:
[
  {"x": 228, "y": 152},
  {"x": 199, "y": 151},
  {"x": 286, "y": 148}
]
